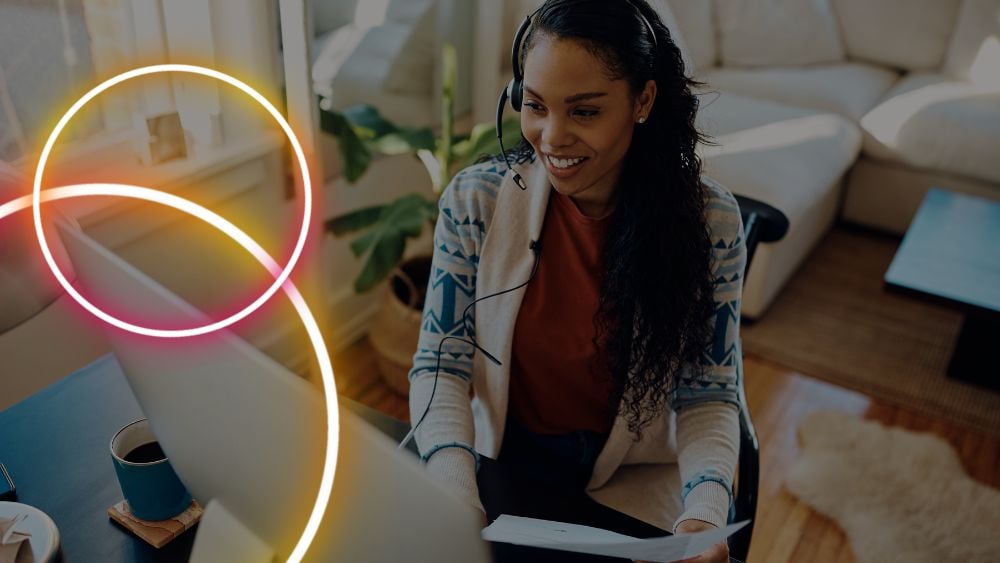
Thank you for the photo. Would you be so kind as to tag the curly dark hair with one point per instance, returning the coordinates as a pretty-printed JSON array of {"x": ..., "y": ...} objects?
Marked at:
[{"x": 657, "y": 293}]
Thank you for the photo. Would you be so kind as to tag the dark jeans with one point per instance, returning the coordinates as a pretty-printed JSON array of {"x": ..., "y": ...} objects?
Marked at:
[{"x": 564, "y": 461}]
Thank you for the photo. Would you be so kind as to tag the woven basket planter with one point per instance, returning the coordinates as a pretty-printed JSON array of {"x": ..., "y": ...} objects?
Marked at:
[{"x": 395, "y": 329}]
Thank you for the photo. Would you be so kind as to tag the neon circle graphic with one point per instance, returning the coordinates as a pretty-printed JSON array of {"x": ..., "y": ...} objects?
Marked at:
[
  {"x": 172, "y": 333},
  {"x": 281, "y": 274},
  {"x": 248, "y": 243}
]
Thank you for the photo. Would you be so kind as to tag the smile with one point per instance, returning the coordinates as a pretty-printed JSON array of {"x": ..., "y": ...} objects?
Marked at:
[{"x": 564, "y": 163}]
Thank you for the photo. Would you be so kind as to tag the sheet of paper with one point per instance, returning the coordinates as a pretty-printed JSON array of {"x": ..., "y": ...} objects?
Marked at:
[{"x": 584, "y": 539}]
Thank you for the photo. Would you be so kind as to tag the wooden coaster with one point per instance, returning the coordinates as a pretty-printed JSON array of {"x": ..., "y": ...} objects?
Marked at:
[{"x": 156, "y": 534}]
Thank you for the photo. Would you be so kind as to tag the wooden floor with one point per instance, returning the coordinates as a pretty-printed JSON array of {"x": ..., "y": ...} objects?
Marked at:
[{"x": 786, "y": 530}]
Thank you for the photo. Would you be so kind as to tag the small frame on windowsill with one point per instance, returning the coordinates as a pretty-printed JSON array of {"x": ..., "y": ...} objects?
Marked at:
[{"x": 159, "y": 138}]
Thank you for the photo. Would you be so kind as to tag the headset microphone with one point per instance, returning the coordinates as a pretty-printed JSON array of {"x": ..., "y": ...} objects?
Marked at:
[{"x": 503, "y": 151}]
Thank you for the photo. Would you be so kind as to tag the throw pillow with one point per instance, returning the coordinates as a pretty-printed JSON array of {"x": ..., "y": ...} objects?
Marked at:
[
  {"x": 695, "y": 20},
  {"x": 662, "y": 8},
  {"x": 667, "y": 17},
  {"x": 974, "y": 53},
  {"x": 906, "y": 34},
  {"x": 777, "y": 32}
]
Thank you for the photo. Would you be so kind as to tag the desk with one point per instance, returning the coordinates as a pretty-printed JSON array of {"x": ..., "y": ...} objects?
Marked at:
[{"x": 55, "y": 445}]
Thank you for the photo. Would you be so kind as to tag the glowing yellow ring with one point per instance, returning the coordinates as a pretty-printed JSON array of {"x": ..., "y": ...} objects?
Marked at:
[
  {"x": 173, "y": 333},
  {"x": 315, "y": 336}
]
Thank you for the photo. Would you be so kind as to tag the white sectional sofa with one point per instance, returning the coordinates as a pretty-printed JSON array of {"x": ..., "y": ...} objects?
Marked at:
[
  {"x": 822, "y": 108},
  {"x": 849, "y": 107}
]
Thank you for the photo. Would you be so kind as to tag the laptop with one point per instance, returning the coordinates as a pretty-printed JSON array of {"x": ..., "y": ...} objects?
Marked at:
[{"x": 246, "y": 436}]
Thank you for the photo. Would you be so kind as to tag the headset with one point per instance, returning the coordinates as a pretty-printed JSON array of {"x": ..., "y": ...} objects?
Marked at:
[{"x": 515, "y": 93}]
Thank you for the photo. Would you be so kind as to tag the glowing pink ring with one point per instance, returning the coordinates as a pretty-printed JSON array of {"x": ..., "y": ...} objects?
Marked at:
[{"x": 172, "y": 333}]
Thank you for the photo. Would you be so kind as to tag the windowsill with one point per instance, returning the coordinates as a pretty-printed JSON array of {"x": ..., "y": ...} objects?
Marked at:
[{"x": 100, "y": 160}]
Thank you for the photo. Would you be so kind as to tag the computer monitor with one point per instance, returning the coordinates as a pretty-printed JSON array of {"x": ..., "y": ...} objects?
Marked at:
[{"x": 244, "y": 431}]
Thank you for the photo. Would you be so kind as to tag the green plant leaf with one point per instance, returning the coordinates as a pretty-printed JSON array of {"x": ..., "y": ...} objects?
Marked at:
[
  {"x": 361, "y": 244},
  {"x": 406, "y": 215},
  {"x": 355, "y": 155},
  {"x": 368, "y": 117},
  {"x": 383, "y": 135},
  {"x": 404, "y": 140},
  {"x": 400, "y": 220},
  {"x": 381, "y": 262},
  {"x": 482, "y": 141},
  {"x": 444, "y": 151},
  {"x": 431, "y": 211},
  {"x": 355, "y": 220}
]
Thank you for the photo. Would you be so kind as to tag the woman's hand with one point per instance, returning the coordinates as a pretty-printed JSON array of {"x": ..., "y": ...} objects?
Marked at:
[{"x": 718, "y": 553}]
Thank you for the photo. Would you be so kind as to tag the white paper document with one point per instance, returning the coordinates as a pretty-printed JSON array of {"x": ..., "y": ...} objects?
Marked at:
[{"x": 584, "y": 539}]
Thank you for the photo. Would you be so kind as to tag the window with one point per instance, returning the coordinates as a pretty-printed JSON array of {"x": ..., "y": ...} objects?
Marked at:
[
  {"x": 45, "y": 53},
  {"x": 52, "y": 51}
]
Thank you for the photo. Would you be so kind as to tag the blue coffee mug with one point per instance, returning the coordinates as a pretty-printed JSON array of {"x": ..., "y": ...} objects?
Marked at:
[{"x": 152, "y": 488}]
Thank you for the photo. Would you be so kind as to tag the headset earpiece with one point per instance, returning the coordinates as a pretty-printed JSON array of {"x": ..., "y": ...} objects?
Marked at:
[{"x": 515, "y": 92}]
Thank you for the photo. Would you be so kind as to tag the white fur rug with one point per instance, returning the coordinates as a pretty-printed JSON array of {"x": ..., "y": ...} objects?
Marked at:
[{"x": 898, "y": 495}]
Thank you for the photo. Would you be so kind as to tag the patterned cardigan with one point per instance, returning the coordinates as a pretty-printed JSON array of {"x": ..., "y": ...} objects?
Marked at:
[{"x": 683, "y": 466}]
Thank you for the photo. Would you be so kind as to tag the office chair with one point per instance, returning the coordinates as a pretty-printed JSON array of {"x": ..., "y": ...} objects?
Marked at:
[{"x": 761, "y": 223}]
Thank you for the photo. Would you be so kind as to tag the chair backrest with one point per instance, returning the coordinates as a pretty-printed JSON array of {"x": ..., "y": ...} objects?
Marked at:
[{"x": 761, "y": 223}]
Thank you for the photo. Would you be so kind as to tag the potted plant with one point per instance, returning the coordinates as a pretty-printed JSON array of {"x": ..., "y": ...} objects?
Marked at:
[{"x": 383, "y": 231}]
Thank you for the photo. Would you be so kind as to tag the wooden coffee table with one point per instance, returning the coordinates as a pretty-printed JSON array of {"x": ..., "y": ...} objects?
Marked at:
[{"x": 951, "y": 255}]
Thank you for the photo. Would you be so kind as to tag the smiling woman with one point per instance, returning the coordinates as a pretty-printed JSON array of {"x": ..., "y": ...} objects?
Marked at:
[{"x": 600, "y": 278}]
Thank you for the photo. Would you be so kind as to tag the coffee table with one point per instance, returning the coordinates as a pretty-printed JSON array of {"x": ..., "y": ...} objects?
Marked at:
[{"x": 951, "y": 255}]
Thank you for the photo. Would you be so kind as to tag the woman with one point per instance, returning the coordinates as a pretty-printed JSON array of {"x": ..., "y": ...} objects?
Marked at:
[{"x": 614, "y": 370}]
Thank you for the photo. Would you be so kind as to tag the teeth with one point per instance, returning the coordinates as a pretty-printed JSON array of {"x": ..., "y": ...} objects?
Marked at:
[{"x": 565, "y": 162}]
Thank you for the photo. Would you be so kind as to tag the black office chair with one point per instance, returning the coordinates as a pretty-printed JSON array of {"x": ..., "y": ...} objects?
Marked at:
[{"x": 761, "y": 223}]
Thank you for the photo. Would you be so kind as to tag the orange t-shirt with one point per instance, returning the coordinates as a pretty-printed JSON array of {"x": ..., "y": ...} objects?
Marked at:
[{"x": 559, "y": 380}]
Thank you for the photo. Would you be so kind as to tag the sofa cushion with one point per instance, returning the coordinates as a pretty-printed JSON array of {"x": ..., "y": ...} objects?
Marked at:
[
  {"x": 777, "y": 32},
  {"x": 784, "y": 155},
  {"x": 974, "y": 53},
  {"x": 666, "y": 14},
  {"x": 697, "y": 25},
  {"x": 848, "y": 89},
  {"x": 906, "y": 34},
  {"x": 792, "y": 158},
  {"x": 931, "y": 121}
]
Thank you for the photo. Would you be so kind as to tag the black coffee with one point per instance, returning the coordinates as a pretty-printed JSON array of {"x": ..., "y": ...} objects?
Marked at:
[{"x": 146, "y": 453}]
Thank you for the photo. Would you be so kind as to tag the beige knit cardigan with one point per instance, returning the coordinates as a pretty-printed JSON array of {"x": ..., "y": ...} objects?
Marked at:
[{"x": 683, "y": 465}]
